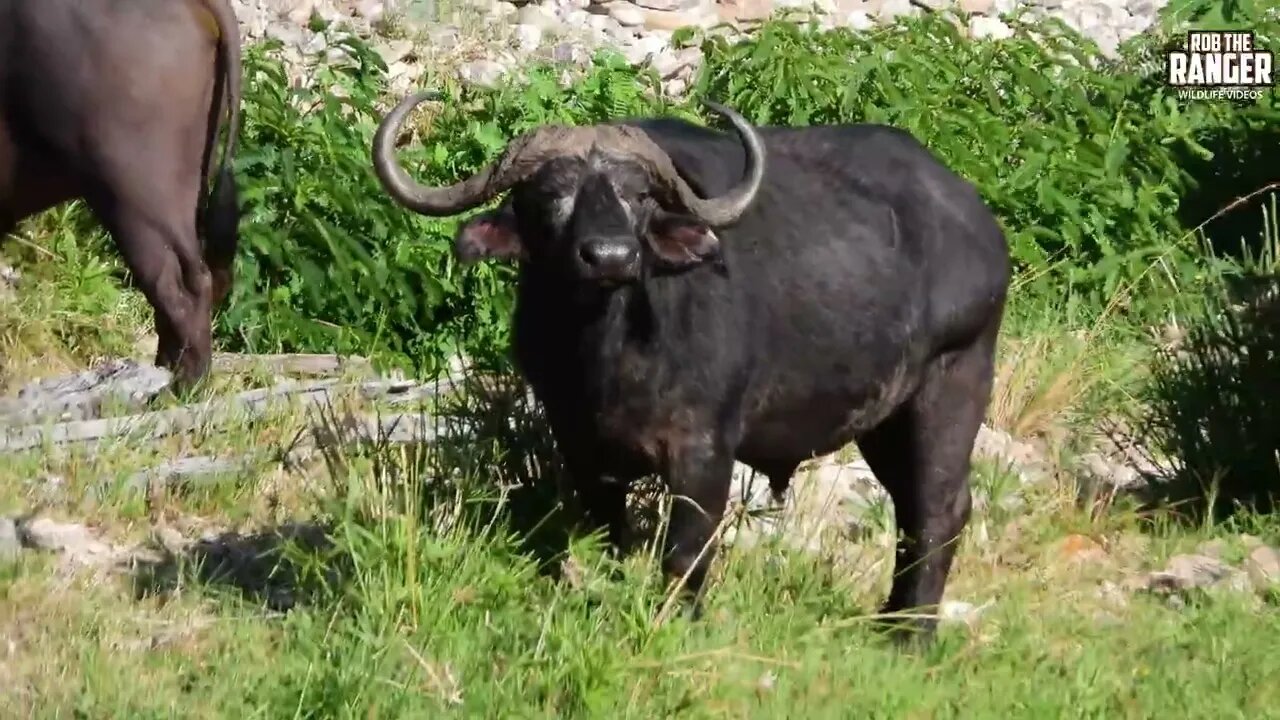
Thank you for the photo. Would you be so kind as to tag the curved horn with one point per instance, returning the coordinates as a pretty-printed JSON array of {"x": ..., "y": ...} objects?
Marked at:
[
  {"x": 730, "y": 206},
  {"x": 436, "y": 201}
]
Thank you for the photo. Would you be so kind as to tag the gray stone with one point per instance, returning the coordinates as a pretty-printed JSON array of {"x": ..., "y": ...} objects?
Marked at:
[
  {"x": 988, "y": 27},
  {"x": 484, "y": 73},
  {"x": 10, "y": 545},
  {"x": 1186, "y": 572},
  {"x": 859, "y": 20},
  {"x": 287, "y": 34},
  {"x": 626, "y": 13},
  {"x": 647, "y": 49},
  {"x": 527, "y": 37},
  {"x": 666, "y": 4},
  {"x": 891, "y": 9},
  {"x": 570, "y": 53},
  {"x": 1263, "y": 566},
  {"x": 668, "y": 65},
  {"x": 394, "y": 51},
  {"x": 70, "y": 539},
  {"x": 538, "y": 16}
]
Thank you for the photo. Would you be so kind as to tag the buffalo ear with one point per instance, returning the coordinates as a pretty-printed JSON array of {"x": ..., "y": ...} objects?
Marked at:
[
  {"x": 681, "y": 241},
  {"x": 494, "y": 233}
]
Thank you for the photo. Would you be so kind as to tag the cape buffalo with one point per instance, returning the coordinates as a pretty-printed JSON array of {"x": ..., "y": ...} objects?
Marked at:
[
  {"x": 117, "y": 102},
  {"x": 687, "y": 297}
]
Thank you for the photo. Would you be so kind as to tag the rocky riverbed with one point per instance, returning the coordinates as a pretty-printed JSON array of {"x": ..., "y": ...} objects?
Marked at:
[{"x": 489, "y": 38}]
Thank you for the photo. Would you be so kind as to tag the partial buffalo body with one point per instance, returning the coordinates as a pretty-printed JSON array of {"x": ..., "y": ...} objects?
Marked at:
[
  {"x": 687, "y": 297},
  {"x": 117, "y": 102}
]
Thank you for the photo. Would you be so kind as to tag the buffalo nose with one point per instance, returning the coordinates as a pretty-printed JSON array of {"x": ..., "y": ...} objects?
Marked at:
[{"x": 608, "y": 254}]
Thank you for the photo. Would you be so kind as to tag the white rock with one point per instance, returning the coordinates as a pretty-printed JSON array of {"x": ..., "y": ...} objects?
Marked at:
[
  {"x": 668, "y": 65},
  {"x": 485, "y": 73},
  {"x": 570, "y": 53},
  {"x": 1263, "y": 566},
  {"x": 538, "y": 16},
  {"x": 394, "y": 51},
  {"x": 627, "y": 14},
  {"x": 665, "y": 4},
  {"x": 371, "y": 10},
  {"x": 987, "y": 27},
  {"x": 891, "y": 9},
  {"x": 69, "y": 538},
  {"x": 859, "y": 20},
  {"x": 527, "y": 37}
]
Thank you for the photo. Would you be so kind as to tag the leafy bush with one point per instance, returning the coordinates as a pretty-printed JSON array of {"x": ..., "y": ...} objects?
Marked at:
[
  {"x": 328, "y": 261},
  {"x": 1086, "y": 167},
  {"x": 1083, "y": 165},
  {"x": 1213, "y": 404}
]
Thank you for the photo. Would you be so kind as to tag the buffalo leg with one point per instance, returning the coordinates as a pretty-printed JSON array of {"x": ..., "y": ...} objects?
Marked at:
[
  {"x": 699, "y": 480},
  {"x": 161, "y": 249},
  {"x": 921, "y": 455},
  {"x": 604, "y": 502}
]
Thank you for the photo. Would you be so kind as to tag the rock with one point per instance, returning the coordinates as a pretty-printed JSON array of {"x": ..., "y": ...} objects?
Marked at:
[
  {"x": 1212, "y": 548},
  {"x": 371, "y": 10},
  {"x": 1186, "y": 572},
  {"x": 668, "y": 65},
  {"x": 297, "y": 12},
  {"x": 890, "y": 9},
  {"x": 71, "y": 539},
  {"x": 665, "y": 4},
  {"x": 671, "y": 21},
  {"x": 744, "y": 10},
  {"x": 625, "y": 13},
  {"x": 527, "y": 37},
  {"x": 570, "y": 53},
  {"x": 538, "y": 16},
  {"x": 10, "y": 544},
  {"x": 394, "y": 51},
  {"x": 859, "y": 20},
  {"x": 291, "y": 35},
  {"x": 987, "y": 27},
  {"x": 647, "y": 48},
  {"x": 485, "y": 73},
  {"x": 1263, "y": 566}
]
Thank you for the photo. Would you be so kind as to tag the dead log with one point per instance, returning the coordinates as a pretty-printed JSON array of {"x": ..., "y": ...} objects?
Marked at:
[
  {"x": 306, "y": 364},
  {"x": 163, "y": 423}
]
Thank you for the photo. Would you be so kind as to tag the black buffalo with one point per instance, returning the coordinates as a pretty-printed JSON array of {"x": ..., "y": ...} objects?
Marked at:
[
  {"x": 117, "y": 102},
  {"x": 687, "y": 298}
]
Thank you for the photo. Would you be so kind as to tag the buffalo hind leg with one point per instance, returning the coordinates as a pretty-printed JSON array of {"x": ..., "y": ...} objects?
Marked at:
[
  {"x": 158, "y": 243},
  {"x": 698, "y": 478},
  {"x": 921, "y": 454}
]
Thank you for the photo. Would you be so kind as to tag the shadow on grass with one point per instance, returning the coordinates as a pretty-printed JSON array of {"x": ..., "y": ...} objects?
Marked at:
[
  {"x": 480, "y": 462},
  {"x": 1214, "y": 409}
]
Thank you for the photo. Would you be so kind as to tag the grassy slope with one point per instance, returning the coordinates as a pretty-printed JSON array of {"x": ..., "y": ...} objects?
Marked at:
[{"x": 455, "y": 616}]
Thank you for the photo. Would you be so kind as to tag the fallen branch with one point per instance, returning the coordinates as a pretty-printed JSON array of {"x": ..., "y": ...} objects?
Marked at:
[
  {"x": 308, "y": 364},
  {"x": 163, "y": 423},
  {"x": 188, "y": 469}
]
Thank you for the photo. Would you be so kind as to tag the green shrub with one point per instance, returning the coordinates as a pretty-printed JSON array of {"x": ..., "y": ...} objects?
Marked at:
[{"x": 1084, "y": 166}]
